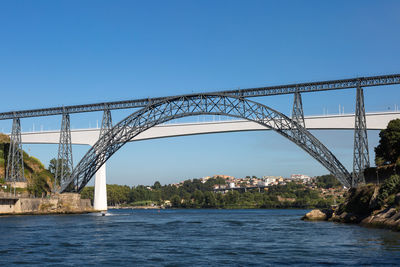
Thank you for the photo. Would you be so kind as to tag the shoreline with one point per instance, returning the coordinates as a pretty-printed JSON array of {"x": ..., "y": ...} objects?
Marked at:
[
  {"x": 135, "y": 207},
  {"x": 388, "y": 218},
  {"x": 48, "y": 213}
]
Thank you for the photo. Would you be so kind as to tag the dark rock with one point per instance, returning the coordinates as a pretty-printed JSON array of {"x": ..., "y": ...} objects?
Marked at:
[{"x": 397, "y": 200}]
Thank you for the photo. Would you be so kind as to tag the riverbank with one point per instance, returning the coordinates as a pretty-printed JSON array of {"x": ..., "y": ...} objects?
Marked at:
[
  {"x": 148, "y": 207},
  {"x": 67, "y": 203},
  {"x": 369, "y": 205}
]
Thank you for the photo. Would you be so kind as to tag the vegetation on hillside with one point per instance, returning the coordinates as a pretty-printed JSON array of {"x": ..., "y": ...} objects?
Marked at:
[
  {"x": 364, "y": 200},
  {"x": 39, "y": 179},
  {"x": 388, "y": 150},
  {"x": 327, "y": 181},
  {"x": 195, "y": 194}
]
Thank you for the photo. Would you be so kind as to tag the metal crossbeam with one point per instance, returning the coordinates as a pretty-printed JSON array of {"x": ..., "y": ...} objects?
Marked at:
[
  {"x": 193, "y": 105},
  {"x": 64, "y": 164},
  {"x": 15, "y": 161},
  {"x": 361, "y": 153},
  {"x": 250, "y": 92}
]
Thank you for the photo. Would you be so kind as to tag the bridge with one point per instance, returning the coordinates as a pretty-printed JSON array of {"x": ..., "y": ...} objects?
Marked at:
[
  {"x": 375, "y": 121},
  {"x": 150, "y": 115}
]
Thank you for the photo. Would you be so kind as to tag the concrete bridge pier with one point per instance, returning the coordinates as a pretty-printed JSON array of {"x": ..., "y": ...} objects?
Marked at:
[{"x": 100, "y": 190}]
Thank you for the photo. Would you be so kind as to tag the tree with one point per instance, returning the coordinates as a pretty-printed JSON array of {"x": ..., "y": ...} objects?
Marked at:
[
  {"x": 53, "y": 168},
  {"x": 327, "y": 181},
  {"x": 198, "y": 197},
  {"x": 88, "y": 193},
  {"x": 39, "y": 186},
  {"x": 175, "y": 201},
  {"x": 388, "y": 150},
  {"x": 209, "y": 200},
  {"x": 157, "y": 185}
]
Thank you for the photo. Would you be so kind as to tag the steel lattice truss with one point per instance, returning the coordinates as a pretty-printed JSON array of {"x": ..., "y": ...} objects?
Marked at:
[
  {"x": 249, "y": 92},
  {"x": 192, "y": 105},
  {"x": 106, "y": 123},
  {"x": 361, "y": 153},
  {"x": 65, "y": 163},
  {"x": 15, "y": 161},
  {"x": 297, "y": 113}
]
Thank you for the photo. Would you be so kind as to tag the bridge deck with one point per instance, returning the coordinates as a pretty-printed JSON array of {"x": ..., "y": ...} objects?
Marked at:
[{"x": 375, "y": 121}]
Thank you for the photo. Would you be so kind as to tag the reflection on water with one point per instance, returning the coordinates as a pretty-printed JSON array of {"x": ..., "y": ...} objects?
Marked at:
[{"x": 192, "y": 237}]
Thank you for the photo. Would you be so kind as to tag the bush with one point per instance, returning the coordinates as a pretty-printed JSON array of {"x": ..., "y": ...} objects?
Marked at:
[
  {"x": 328, "y": 181},
  {"x": 359, "y": 200},
  {"x": 389, "y": 187}
]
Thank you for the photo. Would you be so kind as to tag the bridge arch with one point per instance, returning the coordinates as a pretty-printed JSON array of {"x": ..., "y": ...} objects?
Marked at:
[{"x": 193, "y": 105}]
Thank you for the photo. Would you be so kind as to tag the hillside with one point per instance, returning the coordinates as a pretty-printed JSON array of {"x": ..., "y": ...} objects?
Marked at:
[{"x": 39, "y": 179}]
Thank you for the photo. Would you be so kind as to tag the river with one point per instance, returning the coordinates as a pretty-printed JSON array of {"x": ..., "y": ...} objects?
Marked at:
[{"x": 192, "y": 237}]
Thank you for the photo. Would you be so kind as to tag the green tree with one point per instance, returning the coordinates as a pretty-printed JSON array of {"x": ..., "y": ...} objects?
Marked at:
[
  {"x": 175, "y": 201},
  {"x": 198, "y": 197},
  {"x": 388, "y": 150},
  {"x": 327, "y": 181},
  {"x": 157, "y": 185},
  {"x": 389, "y": 186},
  {"x": 88, "y": 193},
  {"x": 209, "y": 200},
  {"x": 39, "y": 186}
]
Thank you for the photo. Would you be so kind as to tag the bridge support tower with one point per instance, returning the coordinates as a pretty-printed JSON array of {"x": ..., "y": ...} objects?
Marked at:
[
  {"x": 100, "y": 183},
  {"x": 64, "y": 166},
  {"x": 297, "y": 113},
  {"x": 15, "y": 161},
  {"x": 361, "y": 153}
]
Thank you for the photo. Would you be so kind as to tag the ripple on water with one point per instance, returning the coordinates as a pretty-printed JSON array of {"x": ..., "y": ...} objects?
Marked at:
[{"x": 192, "y": 237}]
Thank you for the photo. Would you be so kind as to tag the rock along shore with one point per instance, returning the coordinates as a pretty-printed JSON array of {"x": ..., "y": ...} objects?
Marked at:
[{"x": 361, "y": 207}]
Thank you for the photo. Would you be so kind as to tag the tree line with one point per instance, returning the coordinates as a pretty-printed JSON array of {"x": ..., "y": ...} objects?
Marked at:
[{"x": 195, "y": 194}]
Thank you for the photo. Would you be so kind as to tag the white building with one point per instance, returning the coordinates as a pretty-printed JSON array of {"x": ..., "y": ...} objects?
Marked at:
[
  {"x": 270, "y": 180},
  {"x": 304, "y": 178}
]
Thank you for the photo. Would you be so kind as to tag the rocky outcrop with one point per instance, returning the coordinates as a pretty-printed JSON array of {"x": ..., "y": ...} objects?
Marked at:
[
  {"x": 388, "y": 218},
  {"x": 364, "y": 206},
  {"x": 315, "y": 215}
]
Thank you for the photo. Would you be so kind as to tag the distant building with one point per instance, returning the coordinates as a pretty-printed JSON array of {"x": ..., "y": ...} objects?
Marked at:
[
  {"x": 271, "y": 180},
  {"x": 262, "y": 183},
  {"x": 302, "y": 177}
]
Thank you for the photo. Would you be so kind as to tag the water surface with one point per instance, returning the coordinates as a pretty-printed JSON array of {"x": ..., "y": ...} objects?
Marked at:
[{"x": 192, "y": 237}]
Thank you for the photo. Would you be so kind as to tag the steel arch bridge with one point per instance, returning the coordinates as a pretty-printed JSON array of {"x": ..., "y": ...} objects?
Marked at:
[{"x": 193, "y": 105}]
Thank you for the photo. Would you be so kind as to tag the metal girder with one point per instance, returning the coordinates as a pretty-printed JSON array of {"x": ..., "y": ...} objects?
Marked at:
[
  {"x": 249, "y": 92},
  {"x": 192, "y": 105},
  {"x": 15, "y": 161},
  {"x": 297, "y": 113},
  {"x": 361, "y": 153},
  {"x": 64, "y": 164},
  {"x": 106, "y": 123}
]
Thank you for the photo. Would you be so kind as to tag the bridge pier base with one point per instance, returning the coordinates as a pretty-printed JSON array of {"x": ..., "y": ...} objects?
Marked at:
[
  {"x": 100, "y": 184},
  {"x": 100, "y": 190}
]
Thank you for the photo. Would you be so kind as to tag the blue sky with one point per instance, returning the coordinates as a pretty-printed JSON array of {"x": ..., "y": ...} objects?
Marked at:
[{"x": 75, "y": 52}]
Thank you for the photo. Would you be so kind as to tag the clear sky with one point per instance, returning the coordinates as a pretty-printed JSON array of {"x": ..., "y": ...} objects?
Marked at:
[{"x": 56, "y": 53}]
